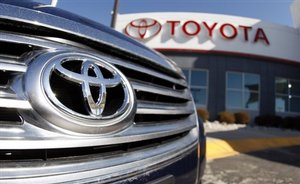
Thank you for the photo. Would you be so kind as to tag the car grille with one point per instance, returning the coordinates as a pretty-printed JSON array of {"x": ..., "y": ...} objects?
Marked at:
[
  {"x": 163, "y": 124},
  {"x": 160, "y": 97}
]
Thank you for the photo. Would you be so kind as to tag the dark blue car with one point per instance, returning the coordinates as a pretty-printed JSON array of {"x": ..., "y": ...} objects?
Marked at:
[{"x": 82, "y": 103}]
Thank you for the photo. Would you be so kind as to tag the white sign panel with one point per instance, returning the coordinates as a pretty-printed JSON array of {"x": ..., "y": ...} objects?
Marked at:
[{"x": 200, "y": 32}]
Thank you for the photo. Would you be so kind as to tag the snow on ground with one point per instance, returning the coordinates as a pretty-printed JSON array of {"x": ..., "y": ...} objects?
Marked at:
[{"x": 217, "y": 126}]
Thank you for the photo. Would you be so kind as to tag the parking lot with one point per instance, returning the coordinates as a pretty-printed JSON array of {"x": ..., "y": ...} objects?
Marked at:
[
  {"x": 239, "y": 154},
  {"x": 280, "y": 165}
]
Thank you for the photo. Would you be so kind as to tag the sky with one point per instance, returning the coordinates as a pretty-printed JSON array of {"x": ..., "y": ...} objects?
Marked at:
[{"x": 275, "y": 11}]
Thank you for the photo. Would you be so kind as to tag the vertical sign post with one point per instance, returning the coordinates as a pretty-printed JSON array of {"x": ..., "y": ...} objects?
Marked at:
[{"x": 114, "y": 14}]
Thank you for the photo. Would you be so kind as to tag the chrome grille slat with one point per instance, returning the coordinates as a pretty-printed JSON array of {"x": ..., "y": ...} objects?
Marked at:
[
  {"x": 152, "y": 88},
  {"x": 7, "y": 93},
  {"x": 12, "y": 67},
  {"x": 135, "y": 132},
  {"x": 156, "y": 108},
  {"x": 30, "y": 41},
  {"x": 14, "y": 103},
  {"x": 103, "y": 169},
  {"x": 151, "y": 72}
]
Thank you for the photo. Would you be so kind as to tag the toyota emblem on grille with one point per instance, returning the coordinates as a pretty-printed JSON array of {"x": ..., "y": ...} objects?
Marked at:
[
  {"x": 85, "y": 80},
  {"x": 80, "y": 92},
  {"x": 143, "y": 29}
]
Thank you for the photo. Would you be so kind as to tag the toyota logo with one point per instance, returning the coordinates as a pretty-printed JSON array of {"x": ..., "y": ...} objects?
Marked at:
[
  {"x": 143, "y": 29},
  {"x": 86, "y": 80},
  {"x": 80, "y": 92}
]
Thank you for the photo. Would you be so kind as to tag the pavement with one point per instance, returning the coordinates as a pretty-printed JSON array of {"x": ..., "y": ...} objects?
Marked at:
[
  {"x": 270, "y": 166},
  {"x": 228, "y": 140}
]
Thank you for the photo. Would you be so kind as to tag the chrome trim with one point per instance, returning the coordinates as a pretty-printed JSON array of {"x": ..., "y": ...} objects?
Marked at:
[
  {"x": 38, "y": 90},
  {"x": 152, "y": 88},
  {"x": 14, "y": 103},
  {"x": 7, "y": 93},
  {"x": 18, "y": 137},
  {"x": 49, "y": 44},
  {"x": 41, "y": 132},
  {"x": 83, "y": 77},
  {"x": 148, "y": 71},
  {"x": 9, "y": 59},
  {"x": 12, "y": 67},
  {"x": 97, "y": 108},
  {"x": 102, "y": 170},
  {"x": 166, "y": 109},
  {"x": 100, "y": 35},
  {"x": 30, "y": 41},
  {"x": 85, "y": 81}
]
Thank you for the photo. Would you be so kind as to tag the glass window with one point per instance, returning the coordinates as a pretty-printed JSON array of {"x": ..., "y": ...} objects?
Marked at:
[
  {"x": 295, "y": 104},
  {"x": 234, "y": 99},
  {"x": 287, "y": 94},
  {"x": 198, "y": 83},
  {"x": 281, "y": 103},
  {"x": 242, "y": 90},
  {"x": 294, "y": 87},
  {"x": 235, "y": 80},
  {"x": 251, "y": 82},
  {"x": 199, "y": 96},
  {"x": 251, "y": 100},
  {"x": 281, "y": 85},
  {"x": 198, "y": 78}
]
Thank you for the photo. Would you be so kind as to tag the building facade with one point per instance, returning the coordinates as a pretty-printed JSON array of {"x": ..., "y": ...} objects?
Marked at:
[{"x": 232, "y": 63}]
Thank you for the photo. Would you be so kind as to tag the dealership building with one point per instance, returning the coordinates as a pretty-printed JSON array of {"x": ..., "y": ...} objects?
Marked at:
[{"x": 231, "y": 63}]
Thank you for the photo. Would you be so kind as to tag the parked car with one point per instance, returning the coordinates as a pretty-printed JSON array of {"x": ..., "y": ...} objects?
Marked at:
[{"x": 80, "y": 102}]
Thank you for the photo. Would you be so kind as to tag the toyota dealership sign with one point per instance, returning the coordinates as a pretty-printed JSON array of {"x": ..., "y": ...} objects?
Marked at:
[
  {"x": 147, "y": 28},
  {"x": 201, "y": 32}
]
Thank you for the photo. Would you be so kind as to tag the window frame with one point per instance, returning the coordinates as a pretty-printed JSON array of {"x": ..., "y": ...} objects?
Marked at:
[
  {"x": 242, "y": 90},
  {"x": 288, "y": 95},
  {"x": 189, "y": 70}
]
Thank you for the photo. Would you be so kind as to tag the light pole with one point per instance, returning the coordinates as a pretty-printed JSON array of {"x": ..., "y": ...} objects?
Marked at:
[
  {"x": 114, "y": 14},
  {"x": 54, "y": 3}
]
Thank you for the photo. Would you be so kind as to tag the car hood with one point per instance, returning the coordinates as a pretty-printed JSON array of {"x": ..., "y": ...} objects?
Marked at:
[{"x": 48, "y": 16}]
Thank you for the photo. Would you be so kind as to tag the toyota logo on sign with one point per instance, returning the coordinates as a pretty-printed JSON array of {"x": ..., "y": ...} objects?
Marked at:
[{"x": 143, "y": 29}]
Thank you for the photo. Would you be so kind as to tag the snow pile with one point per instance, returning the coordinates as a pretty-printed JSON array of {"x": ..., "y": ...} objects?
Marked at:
[{"x": 218, "y": 126}]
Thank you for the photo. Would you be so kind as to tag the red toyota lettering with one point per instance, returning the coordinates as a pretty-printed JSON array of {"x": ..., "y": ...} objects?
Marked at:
[
  {"x": 191, "y": 23},
  {"x": 173, "y": 24},
  {"x": 210, "y": 28},
  {"x": 245, "y": 29},
  {"x": 223, "y": 33},
  {"x": 260, "y": 35}
]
